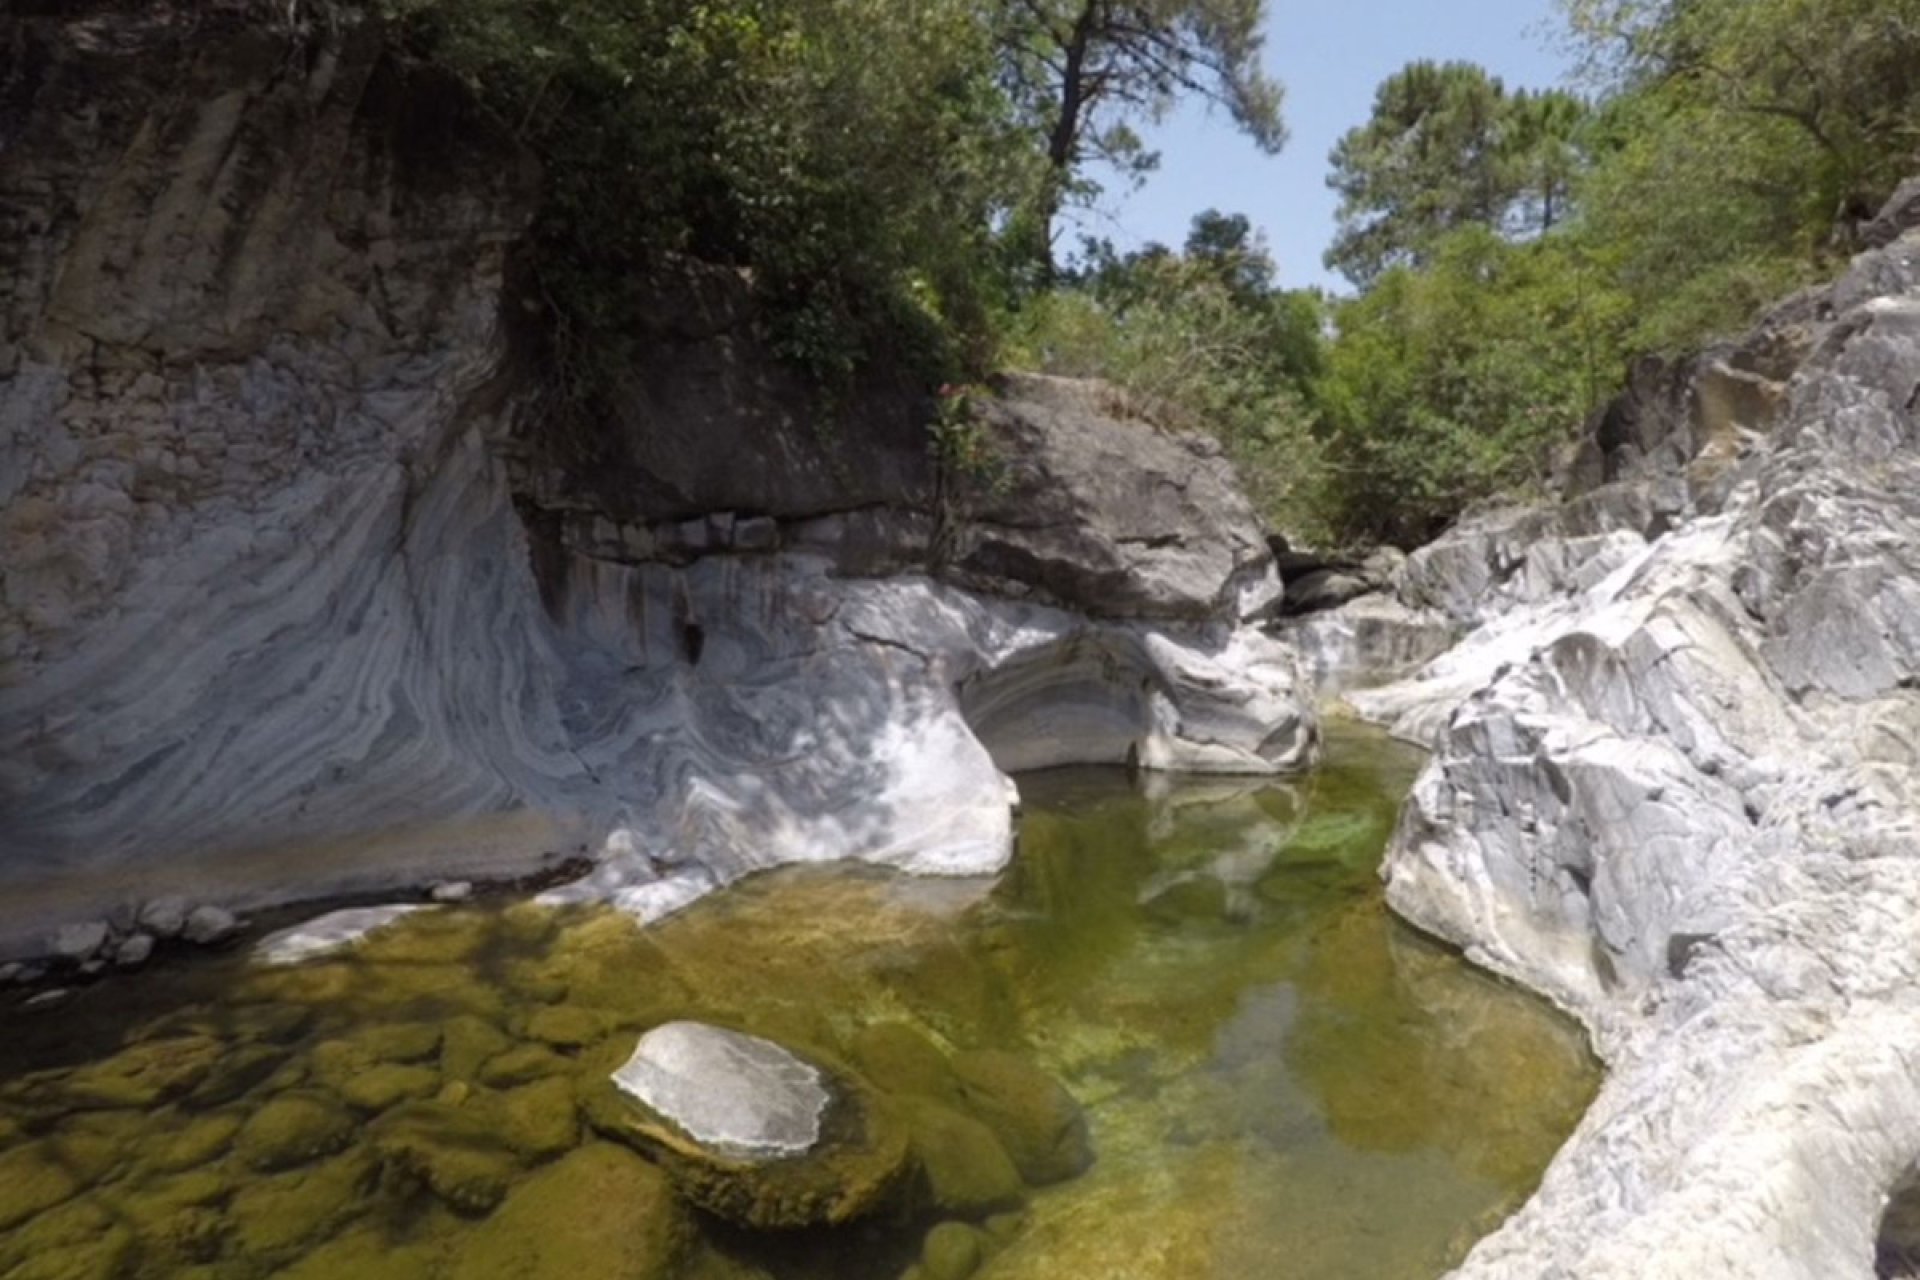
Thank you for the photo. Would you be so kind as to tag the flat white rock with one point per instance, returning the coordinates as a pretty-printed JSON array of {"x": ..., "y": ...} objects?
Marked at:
[{"x": 735, "y": 1094}]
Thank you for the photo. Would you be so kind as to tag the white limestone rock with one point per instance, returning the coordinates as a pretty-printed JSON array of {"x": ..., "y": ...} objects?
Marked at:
[
  {"x": 330, "y": 933},
  {"x": 737, "y": 1095}
]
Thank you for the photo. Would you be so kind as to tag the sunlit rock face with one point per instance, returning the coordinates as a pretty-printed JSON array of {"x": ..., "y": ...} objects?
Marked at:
[
  {"x": 300, "y": 597},
  {"x": 1677, "y": 787}
]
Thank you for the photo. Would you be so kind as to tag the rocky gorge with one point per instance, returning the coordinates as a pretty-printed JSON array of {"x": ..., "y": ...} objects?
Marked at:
[{"x": 305, "y": 597}]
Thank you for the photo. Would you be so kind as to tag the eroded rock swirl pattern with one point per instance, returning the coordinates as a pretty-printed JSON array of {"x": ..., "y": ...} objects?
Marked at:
[
  {"x": 1677, "y": 786},
  {"x": 273, "y": 622}
]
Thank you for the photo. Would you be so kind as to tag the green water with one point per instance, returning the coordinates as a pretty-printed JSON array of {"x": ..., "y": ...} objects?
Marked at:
[{"x": 1278, "y": 1079}]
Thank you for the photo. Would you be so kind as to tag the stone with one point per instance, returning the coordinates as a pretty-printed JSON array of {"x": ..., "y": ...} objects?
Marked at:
[
  {"x": 274, "y": 1219},
  {"x": 540, "y": 1120},
  {"x": 454, "y": 1151},
  {"x": 452, "y": 891},
  {"x": 79, "y": 942},
  {"x": 466, "y": 1045},
  {"x": 388, "y": 1084},
  {"x": 208, "y": 925},
  {"x": 901, "y": 1059},
  {"x": 199, "y": 1142},
  {"x": 951, "y": 1251},
  {"x": 164, "y": 917},
  {"x": 329, "y": 934},
  {"x": 31, "y": 1180},
  {"x": 750, "y": 1132},
  {"x": 622, "y": 1223},
  {"x": 522, "y": 1064},
  {"x": 566, "y": 1026},
  {"x": 133, "y": 951},
  {"x": 967, "y": 1171},
  {"x": 736, "y": 1095},
  {"x": 145, "y": 1074},
  {"x": 1036, "y": 1120},
  {"x": 292, "y": 1130}
]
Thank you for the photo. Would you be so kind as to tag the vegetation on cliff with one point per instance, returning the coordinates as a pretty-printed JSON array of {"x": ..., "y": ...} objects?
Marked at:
[{"x": 891, "y": 178}]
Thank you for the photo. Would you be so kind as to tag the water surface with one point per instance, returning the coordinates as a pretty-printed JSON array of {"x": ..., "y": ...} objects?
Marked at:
[{"x": 1280, "y": 1080}]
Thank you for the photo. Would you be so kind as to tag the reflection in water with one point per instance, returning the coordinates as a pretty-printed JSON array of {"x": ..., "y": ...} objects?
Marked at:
[{"x": 1280, "y": 1079}]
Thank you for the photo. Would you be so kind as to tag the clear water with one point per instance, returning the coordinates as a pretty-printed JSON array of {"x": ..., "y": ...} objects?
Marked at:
[{"x": 1280, "y": 1080}]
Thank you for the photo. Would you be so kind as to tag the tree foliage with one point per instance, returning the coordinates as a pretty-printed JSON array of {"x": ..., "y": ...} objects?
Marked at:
[
  {"x": 1085, "y": 72},
  {"x": 1448, "y": 147}
]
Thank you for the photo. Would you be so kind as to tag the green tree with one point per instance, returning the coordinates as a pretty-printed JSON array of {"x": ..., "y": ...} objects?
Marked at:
[
  {"x": 1447, "y": 147},
  {"x": 1086, "y": 72}
]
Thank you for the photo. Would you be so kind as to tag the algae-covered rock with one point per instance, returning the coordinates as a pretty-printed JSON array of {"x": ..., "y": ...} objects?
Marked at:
[
  {"x": 453, "y": 1151},
  {"x": 271, "y": 1217},
  {"x": 523, "y": 1064},
  {"x": 466, "y": 1043},
  {"x": 31, "y": 1180},
  {"x": 967, "y": 1171},
  {"x": 202, "y": 1139},
  {"x": 567, "y": 1026},
  {"x": 80, "y": 1240},
  {"x": 902, "y": 1060},
  {"x": 857, "y": 1161},
  {"x": 144, "y": 1074},
  {"x": 951, "y": 1251},
  {"x": 387, "y": 1085},
  {"x": 1036, "y": 1119},
  {"x": 540, "y": 1119},
  {"x": 600, "y": 1213},
  {"x": 292, "y": 1130},
  {"x": 235, "y": 1073},
  {"x": 94, "y": 1146},
  {"x": 367, "y": 1251}
]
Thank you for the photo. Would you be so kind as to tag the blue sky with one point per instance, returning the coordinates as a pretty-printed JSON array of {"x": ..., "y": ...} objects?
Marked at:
[{"x": 1330, "y": 54}]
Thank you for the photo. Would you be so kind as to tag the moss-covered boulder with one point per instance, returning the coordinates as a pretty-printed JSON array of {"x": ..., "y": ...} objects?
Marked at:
[
  {"x": 388, "y": 1084},
  {"x": 1032, "y": 1115},
  {"x": 568, "y": 1026},
  {"x": 903, "y": 1060},
  {"x": 201, "y": 1139},
  {"x": 80, "y": 1240},
  {"x": 952, "y": 1251},
  {"x": 32, "y": 1179},
  {"x": 144, "y": 1074},
  {"x": 293, "y": 1129},
  {"x": 752, "y": 1133},
  {"x": 966, "y": 1170},
  {"x": 523, "y": 1064},
  {"x": 466, "y": 1044},
  {"x": 271, "y": 1219},
  {"x": 601, "y": 1213},
  {"x": 540, "y": 1120},
  {"x": 456, "y": 1152}
]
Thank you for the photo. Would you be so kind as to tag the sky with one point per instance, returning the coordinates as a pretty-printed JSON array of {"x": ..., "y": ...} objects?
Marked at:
[{"x": 1330, "y": 55}]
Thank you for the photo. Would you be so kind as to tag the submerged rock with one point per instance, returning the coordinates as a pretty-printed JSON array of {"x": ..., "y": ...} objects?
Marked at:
[
  {"x": 739, "y": 1096},
  {"x": 1035, "y": 1118},
  {"x": 752, "y": 1133},
  {"x": 292, "y": 1130},
  {"x": 601, "y": 1213}
]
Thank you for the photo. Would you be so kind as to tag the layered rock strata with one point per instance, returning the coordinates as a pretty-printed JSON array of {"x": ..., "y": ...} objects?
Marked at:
[
  {"x": 1676, "y": 786},
  {"x": 300, "y": 596}
]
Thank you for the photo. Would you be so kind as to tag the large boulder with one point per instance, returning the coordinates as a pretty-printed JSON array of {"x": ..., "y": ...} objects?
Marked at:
[{"x": 751, "y": 1132}]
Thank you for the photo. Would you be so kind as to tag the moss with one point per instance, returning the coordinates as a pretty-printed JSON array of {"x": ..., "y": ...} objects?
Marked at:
[
  {"x": 389, "y": 1084},
  {"x": 368, "y": 1251},
  {"x": 1036, "y": 1120},
  {"x": 96, "y": 1146},
  {"x": 144, "y": 1074},
  {"x": 601, "y": 1213},
  {"x": 292, "y": 1130},
  {"x": 902, "y": 1060},
  {"x": 466, "y": 1043},
  {"x": 237, "y": 1072},
  {"x": 967, "y": 1171},
  {"x": 859, "y": 1163},
  {"x": 540, "y": 1120},
  {"x": 568, "y": 1026},
  {"x": 523, "y": 1064},
  {"x": 453, "y": 1151},
  {"x": 273, "y": 1217},
  {"x": 953, "y": 1251},
  {"x": 32, "y": 1180},
  {"x": 200, "y": 1140},
  {"x": 80, "y": 1240}
]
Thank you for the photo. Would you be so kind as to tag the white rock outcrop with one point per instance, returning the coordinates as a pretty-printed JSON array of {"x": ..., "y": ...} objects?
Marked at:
[
  {"x": 1676, "y": 786},
  {"x": 290, "y": 608},
  {"x": 736, "y": 1095}
]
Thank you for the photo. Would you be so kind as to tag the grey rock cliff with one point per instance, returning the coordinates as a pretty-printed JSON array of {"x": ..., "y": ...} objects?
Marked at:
[
  {"x": 293, "y": 601},
  {"x": 1676, "y": 786}
]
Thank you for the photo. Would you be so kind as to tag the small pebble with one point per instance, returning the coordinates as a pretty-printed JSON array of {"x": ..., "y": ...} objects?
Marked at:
[
  {"x": 452, "y": 891},
  {"x": 164, "y": 917},
  {"x": 79, "y": 941},
  {"x": 48, "y": 999},
  {"x": 208, "y": 925},
  {"x": 134, "y": 951}
]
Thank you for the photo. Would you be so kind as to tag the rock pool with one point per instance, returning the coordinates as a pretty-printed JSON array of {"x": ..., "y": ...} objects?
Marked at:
[{"x": 1277, "y": 1078}]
